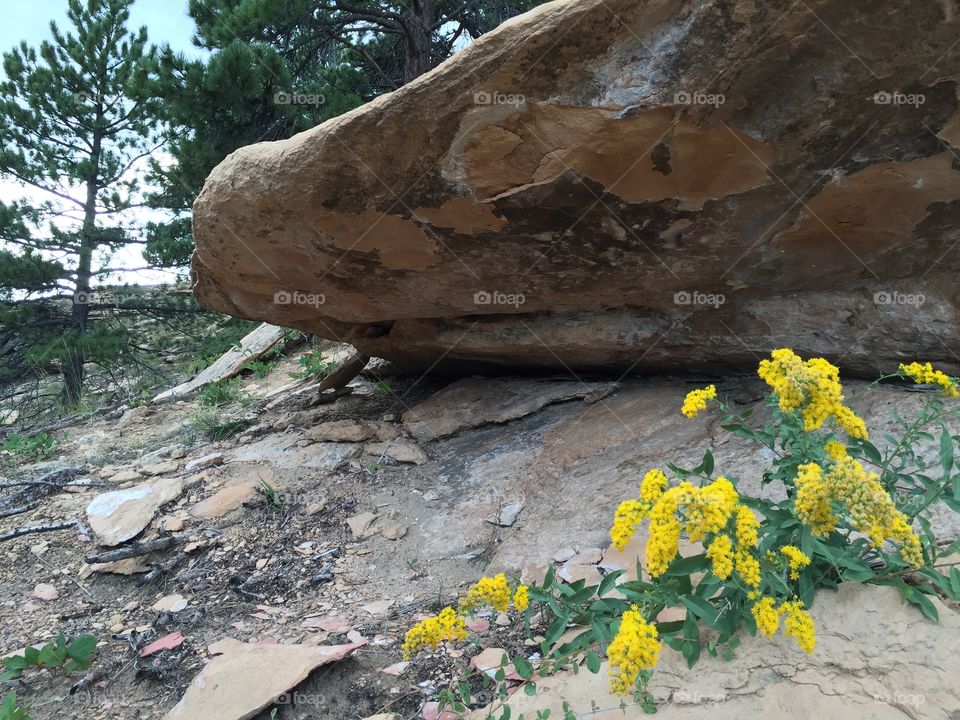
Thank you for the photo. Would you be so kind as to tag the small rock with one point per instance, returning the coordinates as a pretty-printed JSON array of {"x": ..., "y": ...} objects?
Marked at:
[
  {"x": 507, "y": 515},
  {"x": 225, "y": 501},
  {"x": 564, "y": 554},
  {"x": 396, "y": 668},
  {"x": 205, "y": 461},
  {"x": 317, "y": 507},
  {"x": 379, "y": 607},
  {"x": 43, "y": 591},
  {"x": 163, "y": 468},
  {"x": 167, "y": 642},
  {"x": 503, "y": 620},
  {"x": 394, "y": 532},
  {"x": 125, "y": 475},
  {"x": 171, "y": 523},
  {"x": 403, "y": 451},
  {"x": 171, "y": 604},
  {"x": 178, "y": 453},
  {"x": 360, "y": 524}
]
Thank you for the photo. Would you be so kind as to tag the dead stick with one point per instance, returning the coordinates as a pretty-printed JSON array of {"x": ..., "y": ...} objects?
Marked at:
[
  {"x": 20, "y": 532},
  {"x": 130, "y": 551},
  {"x": 18, "y": 510}
]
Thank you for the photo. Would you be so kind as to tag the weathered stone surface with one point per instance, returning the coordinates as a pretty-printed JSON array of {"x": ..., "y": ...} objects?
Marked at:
[
  {"x": 875, "y": 659},
  {"x": 402, "y": 451},
  {"x": 598, "y": 175},
  {"x": 481, "y": 401},
  {"x": 243, "y": 678},
  {"x": 117, "y": 516}
]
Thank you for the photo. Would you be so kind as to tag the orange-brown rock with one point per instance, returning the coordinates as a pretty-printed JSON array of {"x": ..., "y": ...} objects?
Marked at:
[{"x": 613, "y": 184}]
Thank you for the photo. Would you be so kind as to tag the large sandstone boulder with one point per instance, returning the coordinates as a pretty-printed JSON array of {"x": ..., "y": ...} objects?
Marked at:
[{"x": 620, "y": 184}]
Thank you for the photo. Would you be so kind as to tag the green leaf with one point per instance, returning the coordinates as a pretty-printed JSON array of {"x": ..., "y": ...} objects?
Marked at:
[
  {"x": 593, "y": 662},
  {"x": 702, "y": 609},
  {"x": 946, "y": 453},
  {"x": 530, "y": 689},
  {"x": 82, "y": 648},
  {"x": 608, "y": 582},
  {"x": 707, "y": 463},
  {"x": 523, "y": 666}
]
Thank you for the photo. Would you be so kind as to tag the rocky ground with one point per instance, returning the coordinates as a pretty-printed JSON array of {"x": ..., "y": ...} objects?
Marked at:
[{"x": 327, "y": 526}]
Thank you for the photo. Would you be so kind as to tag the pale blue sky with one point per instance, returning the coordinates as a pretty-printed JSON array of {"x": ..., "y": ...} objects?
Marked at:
[{"x": 166, "y": 21}]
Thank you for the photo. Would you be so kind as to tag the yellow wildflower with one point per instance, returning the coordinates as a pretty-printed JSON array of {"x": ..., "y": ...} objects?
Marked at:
[
  {"x": 747, "y": 526},
  {"x": 871, "y": 509},
  {"x": 796, "y": 559},
  {"x": 708, "y": 508},
  {"x": 521, "y": 598},
  {"x": 494, "y": 592},
  {"x": 434, "y": 630},
  {"x": 813, "y": 387},
  {"x": 634, "y": 648},
  {"x": 628, "y": 516},
  {"x": 663, "y": 543},
  {"x": 812, "y": 500},
  {"x": 924, "y": 373},
  {"x": 835, "y": 450},
  {"x": 696, "y": 400},
  {"x": 748, "y": 567},
  {"x": 652, "y": 487},
  {"x": 720, "y": 553},
  {"x": 799, "y": 625},
  {"x": 766, "y": 616}
]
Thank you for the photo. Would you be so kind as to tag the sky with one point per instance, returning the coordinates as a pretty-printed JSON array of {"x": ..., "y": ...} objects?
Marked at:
[{"x": 166, "y": 21}]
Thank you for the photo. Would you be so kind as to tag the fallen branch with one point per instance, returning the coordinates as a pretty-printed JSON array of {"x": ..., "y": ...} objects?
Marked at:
[
  {"x": 49, "y": 527},
  {"x": 54, "y": 477},
  {"x": 19, "y": 510},
  {"x": 135, "y": 550}
]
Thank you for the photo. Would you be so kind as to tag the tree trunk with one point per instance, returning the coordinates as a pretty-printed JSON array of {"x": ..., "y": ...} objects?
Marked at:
[
  {"x": 418, "y": 40},
  {"x": 76, "y": 352}
]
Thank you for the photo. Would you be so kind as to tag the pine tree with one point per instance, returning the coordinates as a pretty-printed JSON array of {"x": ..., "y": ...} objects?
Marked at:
[{"x": 74, "y": 124}]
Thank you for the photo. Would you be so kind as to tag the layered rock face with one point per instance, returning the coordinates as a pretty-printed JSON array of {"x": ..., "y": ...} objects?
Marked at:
[{"x": 622, "y": 185}]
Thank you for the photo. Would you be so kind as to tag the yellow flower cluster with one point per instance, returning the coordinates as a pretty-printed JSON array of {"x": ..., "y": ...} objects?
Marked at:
[
  {"x": 699, "y": 512},
  {"x": 630, "y": 513},
  {"x": 799, "y": 625},
  {"x": 797, "y": 560},
  {"x": 813, "y": 387},
  {"x": 494, "y": 592},
  {"x": 634, "y": 648},
  {"x": 924, "y": 373},
  {"x": 766, "y": 616},
  {"x": 720, "y": 553},
  {"x": 521, "y": 598},
  {"x": 696, "y": 400},
  {"x": 797, "y": 622},
  {"x": 870, "y": 507},
  {"x": 835, "y": 450},
  {"x": 448, "y": 625}
]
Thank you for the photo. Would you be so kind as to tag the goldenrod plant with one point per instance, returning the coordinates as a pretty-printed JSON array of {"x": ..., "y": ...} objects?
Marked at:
[{"x": 848, "y": 512}]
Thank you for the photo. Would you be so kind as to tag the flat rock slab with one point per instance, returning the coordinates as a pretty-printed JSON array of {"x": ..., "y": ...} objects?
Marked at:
[
  {"x": 876, "y": 659},
  {"x": 252, "y": 346},
  {"x": 117, "y": 516},
  {"x": 474, "y": 402},
  {"x": 243, "y": 679},
  {"x": 612, "y": 184}
]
